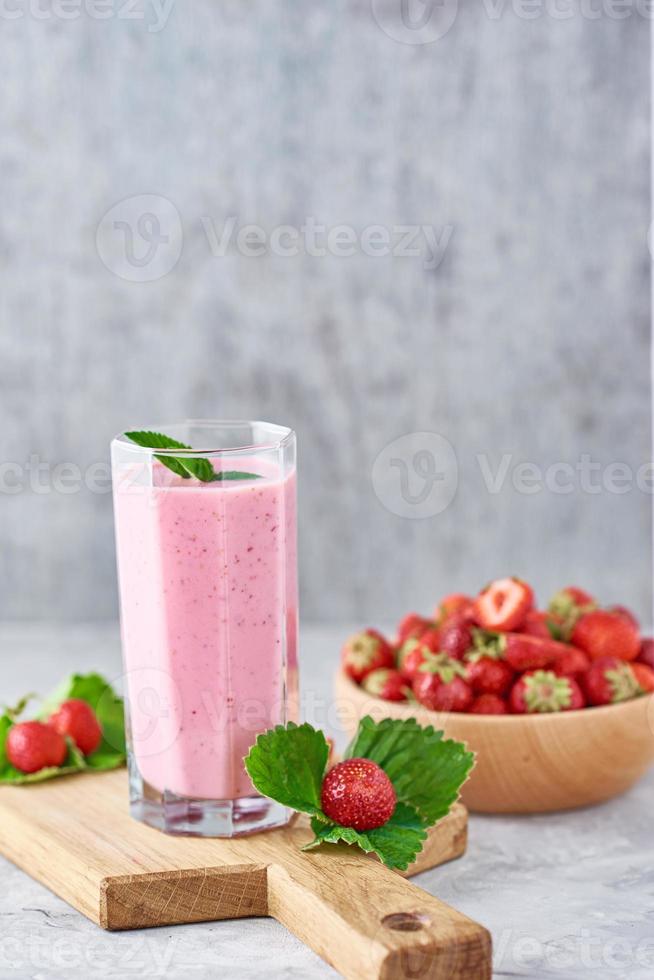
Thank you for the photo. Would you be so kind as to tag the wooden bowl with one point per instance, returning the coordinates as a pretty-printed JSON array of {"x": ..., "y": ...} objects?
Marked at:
[{"x": 531, "y": 763}]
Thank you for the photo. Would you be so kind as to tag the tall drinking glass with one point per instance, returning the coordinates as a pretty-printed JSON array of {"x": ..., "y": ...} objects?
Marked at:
[{"x": 207, "y": 574}]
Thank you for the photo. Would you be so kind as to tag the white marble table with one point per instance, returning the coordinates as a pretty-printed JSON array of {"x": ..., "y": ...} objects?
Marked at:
[{"x": 569, "y": 896}]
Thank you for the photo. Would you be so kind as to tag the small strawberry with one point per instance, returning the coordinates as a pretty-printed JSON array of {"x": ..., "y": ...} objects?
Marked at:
[
  {"x": 78, "y": 720},
  {"x": 386, "y": 683},
  {"x": 488, "y": 704},
  {"x": 364, "y": 652},
  {"x": 431, "y": 639},
  {"x": 603, "y": 634},
  {"x": 525, "y": 652},
  {"x": 456, "y": 636},
  {"x": 451, "y": 605},
  {"x": 610, "y": 680},
  {"x": 646, "y": 653},
  {"x": 538, "y": 623},
  {"x": 644, "y": 675},
  {"x": 440, "y": 685},
  {"x": 504, "y": 604},
  {"x": 541, "y": 691},
  {"x": 571, "y": 662},
  {"x": 626, "y": 614},
  {"x": 32, "y": 745},
  {"x": 488, "y": 676},
  {"x": 357, "y": 793},
  {"x": 567, "y": 606},
  {"x": 410, "y": 657},
  {"x": 411, "y": 626}
]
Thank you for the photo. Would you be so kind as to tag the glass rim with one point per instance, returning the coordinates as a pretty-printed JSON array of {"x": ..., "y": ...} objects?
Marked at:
[{"x": 285, "y": 436}]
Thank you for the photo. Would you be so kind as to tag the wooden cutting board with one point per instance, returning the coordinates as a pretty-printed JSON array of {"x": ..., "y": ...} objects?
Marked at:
[{"x": 75, "y": 835}]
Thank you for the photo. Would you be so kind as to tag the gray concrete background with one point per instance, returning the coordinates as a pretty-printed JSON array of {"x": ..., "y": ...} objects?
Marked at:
[{"x": 529, "y": 139}]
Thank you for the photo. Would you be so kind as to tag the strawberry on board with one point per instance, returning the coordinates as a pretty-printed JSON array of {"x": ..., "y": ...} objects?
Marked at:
[
  {"x": 77, "y": 719},
  {"x": 610, "y": 680},
  {"x": 386, "y": 683},
  {"x": 542, "y": 691},
  {"x": 485, "y": 675},
  {"x": 604, "y": 634},
  {"x": 357, "y": 793},
  {"x": 440, "y": 685},
  {"x": 33, "y": 745},
  {"x": 504, "y": 604},
  {"x": 488, "y": 704},
  {"x": 364, "y": 652}
]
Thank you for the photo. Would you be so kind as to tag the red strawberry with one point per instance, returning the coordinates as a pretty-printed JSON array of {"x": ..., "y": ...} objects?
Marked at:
[
  {"x": 32, "y": 745},
  {"x": 440, "y": 685},
  {"x": 412, "y": 625},
  {"x": 486, "y": 675},
  {"x": 610, "y": 680},
  {"x": 644, "y": 675},
  {"x": 452, "y": 604},
  {"x": 626, "y": 614},
  {"x": 536, "y": 624},
  {"x": 386, "y": 683},
  {"x": 504, "y": 604},
  {"x": 525, "y": 652},
  {"x": 572, "y": 593},
  {"x": 540, "y": 691},
  {"x": 77, "y": 719},
  {"x": 430, "y": 639},
  {"x": 456, "y": 636},
  {"x": 571, "y": 662},
  {"x": 646, "y": 654},
  {"x": 603, "y": 634},
  {"x": 410, "y": 657},
  {"x": 488, "y": 704},
  {"x": 357, "y": 793},
  {"x": 364, "y": 652}
]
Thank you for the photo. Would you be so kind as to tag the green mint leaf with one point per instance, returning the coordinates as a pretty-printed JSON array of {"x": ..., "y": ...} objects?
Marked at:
[
  {"x": 396, "y": 843},
  {"x": 426, "y": 771},
  {"x": 287, "y": 764},
  {"x": 201, "y": 469},
  {"x": 234, "y": 475}
]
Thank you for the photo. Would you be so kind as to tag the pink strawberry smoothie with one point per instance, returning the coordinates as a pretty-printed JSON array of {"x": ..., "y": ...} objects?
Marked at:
[{"x": 208, "y": 583}]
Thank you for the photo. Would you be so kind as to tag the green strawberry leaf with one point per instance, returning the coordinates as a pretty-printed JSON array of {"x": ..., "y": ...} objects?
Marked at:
[
  {"x": 396, "y": 843},
  {"x": 427, "y": 772},
  {"x": 287, "y": 764}
]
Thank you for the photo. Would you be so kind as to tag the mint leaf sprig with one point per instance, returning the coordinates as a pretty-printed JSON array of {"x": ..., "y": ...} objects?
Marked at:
[
  {"x": 288, "y": 764},
  {"x": 186, "y": 466},
  {"x": 108, "y": 707}
]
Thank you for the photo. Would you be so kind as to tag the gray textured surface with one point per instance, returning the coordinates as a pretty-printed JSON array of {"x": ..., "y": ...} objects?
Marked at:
[
  {"x": 529, "y": 137},
  {"x": 566, "y": 896}
]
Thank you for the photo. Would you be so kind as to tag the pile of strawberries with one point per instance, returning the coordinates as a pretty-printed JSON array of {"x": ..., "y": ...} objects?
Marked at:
[{"x": 497, "y": 654}]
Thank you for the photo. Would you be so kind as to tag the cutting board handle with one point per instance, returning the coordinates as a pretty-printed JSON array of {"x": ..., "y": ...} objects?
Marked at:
[{"x": 371, "y": 924}]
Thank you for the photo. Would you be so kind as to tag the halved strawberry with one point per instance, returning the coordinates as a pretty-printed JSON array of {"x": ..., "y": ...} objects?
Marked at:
[
  {"x": 542, "y": 691},
  {"x": 504, "y": 604},
  {"x": 604, "y": 634}
]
